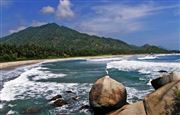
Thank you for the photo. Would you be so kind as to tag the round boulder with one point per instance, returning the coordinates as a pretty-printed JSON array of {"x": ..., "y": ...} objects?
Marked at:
[
  {"x": 166, "y": 78},
  {"x": 106, "y": 95}
]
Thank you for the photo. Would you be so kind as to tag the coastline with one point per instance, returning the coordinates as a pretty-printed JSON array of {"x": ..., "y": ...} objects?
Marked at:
[{"x": 15, "y": 64}]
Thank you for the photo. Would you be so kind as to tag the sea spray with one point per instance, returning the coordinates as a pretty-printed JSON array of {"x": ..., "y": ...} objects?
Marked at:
[{"x": 107, "y": 73}]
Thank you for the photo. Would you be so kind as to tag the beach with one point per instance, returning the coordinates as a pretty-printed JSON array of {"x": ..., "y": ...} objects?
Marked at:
[{"x": 14, "y": 64}]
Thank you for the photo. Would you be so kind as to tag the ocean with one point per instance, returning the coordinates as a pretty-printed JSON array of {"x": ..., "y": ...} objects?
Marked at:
[{"x": 32, "y": 86}]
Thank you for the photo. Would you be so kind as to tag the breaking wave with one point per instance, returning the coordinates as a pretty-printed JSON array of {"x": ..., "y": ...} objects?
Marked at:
[
  {"x": 149, "y": 57},
  {"x": 144, "y": 67}
]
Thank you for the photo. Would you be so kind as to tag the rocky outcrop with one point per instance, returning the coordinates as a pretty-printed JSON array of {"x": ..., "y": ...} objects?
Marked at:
[
  {"x": 130, "y": 109},
  {"x": 164, "y": 101},
  {"x": 107, "y": 95},
  {"x": 166, "y": 78}
]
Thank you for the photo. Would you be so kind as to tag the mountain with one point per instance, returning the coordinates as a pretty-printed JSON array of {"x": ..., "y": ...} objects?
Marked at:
[
  {"x": 53, "y": 35},
  {"x": 64, "y": 41}
]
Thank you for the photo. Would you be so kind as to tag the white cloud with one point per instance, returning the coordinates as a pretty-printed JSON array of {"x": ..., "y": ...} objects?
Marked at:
[
  {"x": 47, "y": 10},
  {"x": 37, "y": 23},
  {"x": 33, "y": 24},
  {"x": 64, "y": 9},
  {"x": 17, "y": 29},
  {"x": 117, "y": 19}
]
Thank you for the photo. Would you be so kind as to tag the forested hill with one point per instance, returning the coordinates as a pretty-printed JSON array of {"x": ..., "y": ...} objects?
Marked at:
[{"x": 52, "y": 40}]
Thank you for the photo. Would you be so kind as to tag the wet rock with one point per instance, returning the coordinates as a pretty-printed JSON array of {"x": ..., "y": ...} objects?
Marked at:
[
  {"x": 55, "y": 97},
  {"x": 164, "y": 101},
  {"x": 166, "y": 78},
  {"x": 69, "y": 92},
  {"x": 162, "y": 71},
  {"x": 84, "y": 107},
  {"x": 59, "y": 103},
  {"x": 132, "y": 109},
  {"x": 32, "y": 110},
  {"x": 107, "y": 95}
]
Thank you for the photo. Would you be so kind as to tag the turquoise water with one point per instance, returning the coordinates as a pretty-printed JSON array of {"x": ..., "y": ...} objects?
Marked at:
[{"x": 33, "y": 86}]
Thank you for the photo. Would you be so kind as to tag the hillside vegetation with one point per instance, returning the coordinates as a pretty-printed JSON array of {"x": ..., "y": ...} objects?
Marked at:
[{"x": 54, "y": 41}]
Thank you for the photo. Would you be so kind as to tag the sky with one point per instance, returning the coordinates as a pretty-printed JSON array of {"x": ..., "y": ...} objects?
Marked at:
[{"x": 134, "y": 21}]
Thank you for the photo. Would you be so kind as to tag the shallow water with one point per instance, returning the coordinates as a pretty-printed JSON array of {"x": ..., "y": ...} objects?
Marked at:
[{"x": 32, "y": 86}]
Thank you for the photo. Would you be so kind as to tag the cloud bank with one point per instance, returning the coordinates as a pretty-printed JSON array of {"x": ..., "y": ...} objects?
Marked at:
[
  {"x": 63, "y": 10},
  {"x": 117, "y": 19}
]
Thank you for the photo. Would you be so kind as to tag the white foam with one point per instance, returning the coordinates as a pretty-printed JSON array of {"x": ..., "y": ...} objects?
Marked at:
[
  {"x": 41, "y": 75},
  {"x": 11, "y": 112},
  {"x": 148, "y": 57},
  {"x": 134, "y": 93},
  {"x": 175, "y": 54},
  {"x": 149, "y": 83},
  {"x": 1, "y": 105},
  {"x": 144, "y": 67},
  {"x": 104, "y": 59},
  {"x": 22, "y": 87}
]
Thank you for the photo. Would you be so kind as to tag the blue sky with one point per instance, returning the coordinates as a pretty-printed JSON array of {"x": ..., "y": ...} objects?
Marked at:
[{"x": 134, "y": 21}]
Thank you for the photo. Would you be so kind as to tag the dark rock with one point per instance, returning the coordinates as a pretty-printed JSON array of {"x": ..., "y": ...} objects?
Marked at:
[
  {"x": 84, "y": 107},
  {"x": 69, "y": 92},
  {"x": 162, "y": 71},
  {"x": 32, "y": 110},
  {"x": 59, "y": 103},
  {"x": 164, "y": 101},
  {"x": 166, "y": 78},
  {"x": 107, "y": 95},
  {"x": 55, "y": 97}
]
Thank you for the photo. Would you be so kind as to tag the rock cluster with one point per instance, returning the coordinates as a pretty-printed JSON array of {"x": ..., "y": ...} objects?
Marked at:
[{"x": 108, "y": 96}]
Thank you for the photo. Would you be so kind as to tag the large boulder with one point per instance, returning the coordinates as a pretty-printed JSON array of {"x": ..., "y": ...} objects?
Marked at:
[
  {"x": 107, "y": 95},
  {"x": 164, "y": 101},
  {"x": 132, "y": 109},
  {"x": 166, "y": 78}
]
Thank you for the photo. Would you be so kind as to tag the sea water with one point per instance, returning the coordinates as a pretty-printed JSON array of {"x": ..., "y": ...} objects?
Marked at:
[{"x": 33, "y": 86}]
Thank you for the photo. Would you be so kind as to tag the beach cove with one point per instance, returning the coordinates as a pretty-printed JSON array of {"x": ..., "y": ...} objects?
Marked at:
[{"x": 72, "y": 78}]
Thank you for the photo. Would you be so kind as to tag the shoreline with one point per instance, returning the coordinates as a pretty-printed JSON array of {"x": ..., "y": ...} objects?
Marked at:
[{"x": 15, "y": 64}]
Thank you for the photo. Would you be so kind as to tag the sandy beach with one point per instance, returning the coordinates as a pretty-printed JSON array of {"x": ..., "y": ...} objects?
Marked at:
[{"x": 14, "y": 64}]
